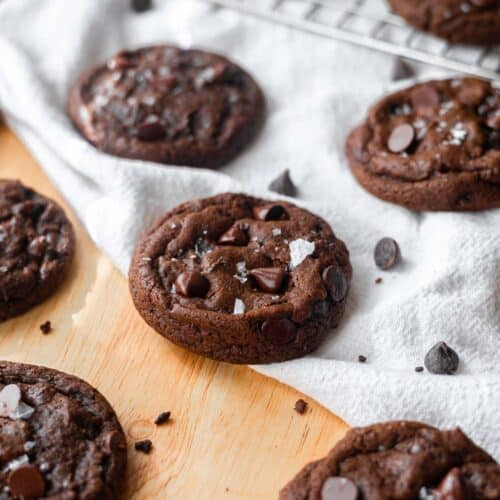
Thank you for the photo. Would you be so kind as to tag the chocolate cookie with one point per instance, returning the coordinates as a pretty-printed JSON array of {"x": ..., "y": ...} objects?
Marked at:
[
  {"x": 399, "y": 460},
  {"x": 168, "y": 105},
  {"x": 433, "y": 146},
  {"x": 241, "y": 279},
  {"x": 474, "y": 22},
  {"x": 59, "y": 438},
  {"x": 36, "y": 248}
]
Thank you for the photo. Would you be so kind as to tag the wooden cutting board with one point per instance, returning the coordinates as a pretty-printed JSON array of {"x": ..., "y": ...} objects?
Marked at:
[{"x": 234, "y": 433}]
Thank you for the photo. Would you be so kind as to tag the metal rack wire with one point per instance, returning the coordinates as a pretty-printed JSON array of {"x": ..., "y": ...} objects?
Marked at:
[{"x": 370, "y": 23}]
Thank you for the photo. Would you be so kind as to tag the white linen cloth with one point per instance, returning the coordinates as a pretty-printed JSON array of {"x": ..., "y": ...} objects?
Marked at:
[{"x": 448, "y": 287}]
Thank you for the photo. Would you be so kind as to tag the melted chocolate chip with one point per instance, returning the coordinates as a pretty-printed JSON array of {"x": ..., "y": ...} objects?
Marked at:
[
  {"x": 235, "y": 235},
  {"x": 144, "y": 446},
  {"x": 424, "y": 96},
  {"x": 300, "y": 406},
  {"x": 26, "y": 482},
  {"x": 386, "y": 253},
  {"x": 192, "y": 284},
  {"x": 339, "y": 488},
  {"x": 269, "y": 279},
  {"x": 152, "y": 131},
  {"x": 162, "y": 418},
  {"x": 279, "y": 331},
  {"x": 112, "y": 442},
  {"x": 442, "y": 359},
  {"x": 336, "y": 283},
  {"x": 270, "y": 212},
  {"x": 451, "y": 487},
  {"x": 283, "y": 184},
  {"x": 401, "y": 138}
]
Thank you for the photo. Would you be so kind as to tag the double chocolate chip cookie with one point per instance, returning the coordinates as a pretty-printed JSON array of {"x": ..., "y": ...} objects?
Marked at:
[
  {"x": 433, "y": 146},
  {"x": 59, "y": 438},
  {"x": 241, "y": 279},
  {"x": 36, "y": 248},
  {"x": 168, "y": 105},
  {"x": 399, "y": 460},
  {"x": 474, "y": 22}
]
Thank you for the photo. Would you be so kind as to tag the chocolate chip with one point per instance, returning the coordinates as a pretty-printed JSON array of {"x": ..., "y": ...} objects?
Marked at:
[
  {"x": 144, "y": 446},
  {"x": 270, "y": 212},
  {"x": 279, "y": 331},
  {"x": 378, "y": 281},
  {"x": 423, "y": 96},
  {"x": 151, "y": 131},
  {"x": 336, "y": 283},
  {"x": 26, "y": 482},
  {"x": 269, "y": 279},
  {"x": 235, "y": 235},
  {"x": 300, "y": 406},
  {"x": 162, "y": 418},
  {"x": 141, "y": 5},
  {"x": 401, "y": 138},
  {"x": 283, "y": 184},
  {"x": 442, "y": 359},
  {"x": 192, "y": 284},
  {"x": 451, "y": 487},
  {"x": 46, "y": 327},
  {"x": 339, "y": 488},
  {"x": 120, "y": 61},
  {"x": 113, "y": 441},
  {"x": 402, "y": 70},
  {"x": 419, "y": 369},
  {"x": 386, "y": 253},
  {"x": 362, "y": 359}
]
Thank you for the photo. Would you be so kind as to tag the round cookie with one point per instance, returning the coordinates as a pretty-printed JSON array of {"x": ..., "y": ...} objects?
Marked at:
[
  {"x": 37, "y": 244},
  {"x": 433, "y": 146},
  {"x": 403, "y": 460},
  {"x": 168, "y": 105},
  {"x": 241, "y": 279},
  {"x": 474, "y": 22},
  {"x": 59, "y": 437}
]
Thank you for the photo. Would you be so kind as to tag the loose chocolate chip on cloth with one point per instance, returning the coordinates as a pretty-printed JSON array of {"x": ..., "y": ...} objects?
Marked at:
[
  {"x": 269, "y": 295},
  {"x": 433, "y": 146},
  {"x": 168, "y": 105},
  {"x": 37, "y": 244},
  {"x": 403, "y": 460},
  {"x": 59, "y": 437},
  {"x": 474, "y": 22}
]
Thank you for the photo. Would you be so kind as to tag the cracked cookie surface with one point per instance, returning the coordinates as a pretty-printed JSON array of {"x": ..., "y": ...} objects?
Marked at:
[
  {"x": 168, "y": 105},
  {"x": 474, "y": 22},
  {"x": 36, "y": 248},
  {"x": 241, "y": 279},
  {"x": 399, "y": 460},
  {"x": 433, "y": 146},
  {"x": 59, "y": 437}
]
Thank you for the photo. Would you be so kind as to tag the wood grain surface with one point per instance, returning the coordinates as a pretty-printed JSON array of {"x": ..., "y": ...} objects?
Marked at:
[{"x": 234, "y": 433}]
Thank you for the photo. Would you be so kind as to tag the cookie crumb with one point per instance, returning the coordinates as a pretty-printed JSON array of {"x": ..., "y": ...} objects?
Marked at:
[
  {"x": 144, "y": 446},
  {"x": 378, "y": 281},
  {"x": 362, "y": 359},
  {"x": 419, "y": 369},
  {"x": 46, "y": 327},
  {"x": 300, "y": 406},
  {"x": 162, "y": 418}
]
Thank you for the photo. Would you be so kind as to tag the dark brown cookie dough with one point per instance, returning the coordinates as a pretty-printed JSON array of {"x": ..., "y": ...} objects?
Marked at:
[
  {"x": 241, "y": 279},
  {"x": 168, "y": 105},
  {"x": 36, "y": 248},
  {"x": 399, "y": 460},
  {"x": 474, "y": 22},
  {"x": 59, "y": 438},
  {"x": 433, "y": 146}
]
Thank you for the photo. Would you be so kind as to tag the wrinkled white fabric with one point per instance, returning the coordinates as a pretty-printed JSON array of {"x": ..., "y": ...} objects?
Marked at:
[{"x": 448, "y": 287}]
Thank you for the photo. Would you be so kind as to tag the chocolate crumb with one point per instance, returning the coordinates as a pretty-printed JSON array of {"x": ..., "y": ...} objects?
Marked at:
[
  {"x": 144, "y": 446},
  {"x": 378, "y": 281},
  {"x": 419, "y": 369},
  {"x": 300, "y": 406},
  {"x": 362, "y": 359},
  {"x": 46, "y": 327},
  {"x": 162, "y": 418}
]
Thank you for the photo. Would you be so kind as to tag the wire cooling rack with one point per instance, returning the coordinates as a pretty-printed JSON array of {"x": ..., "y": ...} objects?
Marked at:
[{"x": 371, "y": 24}]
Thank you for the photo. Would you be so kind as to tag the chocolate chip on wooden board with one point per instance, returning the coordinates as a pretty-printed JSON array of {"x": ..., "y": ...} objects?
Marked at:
[
  {"x": 387, "y": 254},
  {"x": 283, "y": 184},
  {"x": 144, "y": 446},
  {"x": 46, "y": 327},
  {"x": 300, "y": 406},
  {"x": 442, "y": 359},
  {"x": 162, "y": 418}
]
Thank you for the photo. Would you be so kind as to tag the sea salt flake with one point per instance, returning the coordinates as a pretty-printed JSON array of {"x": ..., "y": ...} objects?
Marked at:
[
  {"x": 10, "y": 398},
  {"x": 29, "y": 445},
  {"x": 276, "y": 231},
  {"x": 23, "y": 411},
  {"x": 239, "y": 307},
  {"x": 299, "y": 250},
  {"x": 16, "y": 463},
  {"x": 458, "y": 134}
]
